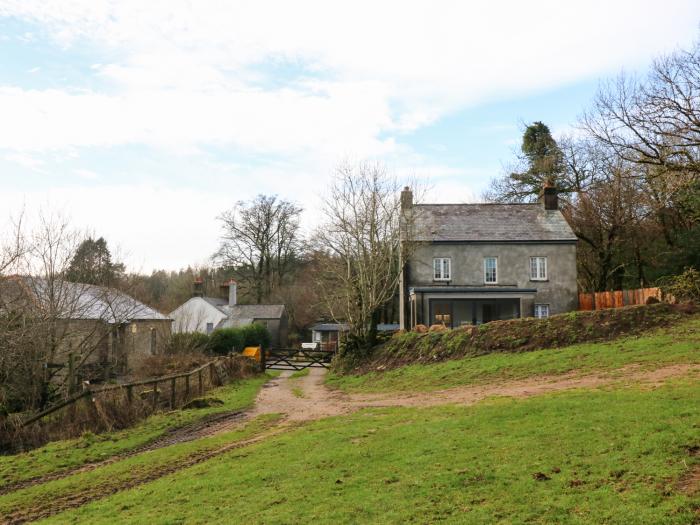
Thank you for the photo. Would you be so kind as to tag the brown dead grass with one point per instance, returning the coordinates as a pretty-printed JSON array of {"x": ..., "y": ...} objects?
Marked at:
[{"x": 516, "y": 335}]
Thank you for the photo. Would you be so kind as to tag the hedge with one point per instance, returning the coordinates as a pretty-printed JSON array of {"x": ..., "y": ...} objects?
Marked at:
[{"x": 225, "y": 340}]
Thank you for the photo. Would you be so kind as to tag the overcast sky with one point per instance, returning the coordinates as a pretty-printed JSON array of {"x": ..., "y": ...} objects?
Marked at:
[{"x": 143, "y": 120}]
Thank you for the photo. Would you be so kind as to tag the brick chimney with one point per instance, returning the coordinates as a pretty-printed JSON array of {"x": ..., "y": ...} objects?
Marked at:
[
  {"x": 232, "y": 293},
  {"x": 198, "y": 287},
  {"x": 406, "y": 198},
  {"x": 549, "y": 197}
]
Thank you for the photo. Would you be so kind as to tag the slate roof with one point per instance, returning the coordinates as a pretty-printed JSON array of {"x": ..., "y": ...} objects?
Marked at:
[
  {"x": 256, "y": 311},
  {"x": 216, "y": 302},
  {"x": 87, "y": 301},
  {"x": 489, "y": 223}
]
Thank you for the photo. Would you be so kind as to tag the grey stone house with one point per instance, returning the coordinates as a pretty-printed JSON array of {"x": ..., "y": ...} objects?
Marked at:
[{"x": 474, "y": 263}]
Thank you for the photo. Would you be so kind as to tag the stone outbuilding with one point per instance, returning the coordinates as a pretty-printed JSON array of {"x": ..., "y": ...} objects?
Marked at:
[{"x": 104, "y": 329}]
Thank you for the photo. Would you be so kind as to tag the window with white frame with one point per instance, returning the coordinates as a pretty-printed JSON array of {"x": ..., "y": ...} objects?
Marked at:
[
  {"x": 538, "y": 268},
  {"x": 442, "y": 269},
  {"x": 541, "y": 311},
  {"x": 490, "y": 270}
]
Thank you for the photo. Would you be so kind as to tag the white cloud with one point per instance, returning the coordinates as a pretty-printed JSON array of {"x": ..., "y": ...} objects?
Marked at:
[
  {"x": 299, "y": 85},
  {"x": 190, "y": 73}
]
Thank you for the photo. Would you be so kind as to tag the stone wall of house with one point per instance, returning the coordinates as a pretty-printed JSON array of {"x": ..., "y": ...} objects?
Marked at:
[
  {"x": 145, "y": 338},
  {"x": 559, "y": 290},
  {"x": 97, "y": 344},
  {"x": 278, "y": 329}
]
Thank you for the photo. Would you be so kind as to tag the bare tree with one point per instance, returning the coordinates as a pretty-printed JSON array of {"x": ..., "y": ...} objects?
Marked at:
[
  {"x": 48, "y": 320},
  {"x": 260, "y": 242},
  {"x": 655, "y": 121},
  {"x": 362, "y": 234}
]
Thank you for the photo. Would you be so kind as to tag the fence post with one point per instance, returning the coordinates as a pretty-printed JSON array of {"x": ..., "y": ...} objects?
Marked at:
[
  {"x": 130, "y": 393},
  {"x": 201, "y": 385},
  {"x": 187, "y": 387},
  {"x": 211, "y": 374},
  {"x": 263, "y": 359},
  {"x": 172, "y": 392},
  {"x": 71, "y": 373},
  {"x": 155, "y": 395}
]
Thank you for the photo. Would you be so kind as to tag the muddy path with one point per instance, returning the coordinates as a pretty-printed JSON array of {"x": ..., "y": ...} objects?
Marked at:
[
  {"x": 49, "y": 507},
  {"x": 307, "y": 398},
  {"x": 207, "y": 426}
]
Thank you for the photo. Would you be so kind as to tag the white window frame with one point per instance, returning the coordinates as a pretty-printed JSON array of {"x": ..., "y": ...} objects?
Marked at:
[
  {"x": 443, "y": 275},
  {"x": 540, "y": 268},
  {"x": 495, "y": 268},
  {"x": 541, "y": 306}
]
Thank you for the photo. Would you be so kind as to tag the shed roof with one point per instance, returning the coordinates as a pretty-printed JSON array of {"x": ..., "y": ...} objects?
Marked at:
[
  {"x": 331, "y": 327},
  {"x": 256, "y": 311},
  {"x": 489, "y": 223}
]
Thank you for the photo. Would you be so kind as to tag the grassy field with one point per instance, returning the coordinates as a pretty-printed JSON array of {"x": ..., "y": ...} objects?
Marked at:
[
  {"x": 679, "y": 344},
  {"x": 577, "y": 457},
  {"x": 133, "y": 469},
  {"x": 67, "y": 454},
  {"x": 626, "y": 453}
]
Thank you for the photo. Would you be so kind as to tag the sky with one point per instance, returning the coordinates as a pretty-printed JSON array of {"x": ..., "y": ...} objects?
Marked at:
[{"x": 143, "y": 121}]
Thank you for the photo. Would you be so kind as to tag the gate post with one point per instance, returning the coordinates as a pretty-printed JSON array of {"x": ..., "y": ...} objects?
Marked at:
[{"x": 263, "y": 362}]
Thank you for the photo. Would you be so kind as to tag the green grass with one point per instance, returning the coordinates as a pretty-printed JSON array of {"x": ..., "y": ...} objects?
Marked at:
[
  {"x": 112, "y": 476},
  {"x": 67, "y": 454},
  {"x": 680, "y": 344},
  {"x": 300, "y": 373},
  {"x": 603, "y": 456},
  {"x": 297, "y": 392}
]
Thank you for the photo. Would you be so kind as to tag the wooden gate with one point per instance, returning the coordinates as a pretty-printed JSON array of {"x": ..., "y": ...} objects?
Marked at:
[{"x": 295, "y": 359}]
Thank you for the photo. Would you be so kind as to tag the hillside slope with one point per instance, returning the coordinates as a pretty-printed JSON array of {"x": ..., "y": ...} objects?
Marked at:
[{"x": 678, "y": 343}]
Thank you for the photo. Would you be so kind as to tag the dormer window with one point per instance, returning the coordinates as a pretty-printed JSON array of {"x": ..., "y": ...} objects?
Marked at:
[{"x": 442, "y": 269}]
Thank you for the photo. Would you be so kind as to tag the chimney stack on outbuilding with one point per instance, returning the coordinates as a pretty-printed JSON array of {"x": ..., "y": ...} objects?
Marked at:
[
  {"x": 198, "y": 287},
  {"x": 406, "y": 198},
  {"x": 550, "y": 198},
  {"x": 232, "y": 293}
]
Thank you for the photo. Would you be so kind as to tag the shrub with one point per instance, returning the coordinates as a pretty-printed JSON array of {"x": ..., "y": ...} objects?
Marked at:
[
  {"x": 255, "y": 335},
  {"x": 225, "y": 340},
  {"x": 187, "y": 343},
  {"x": 684, "y": 287}
]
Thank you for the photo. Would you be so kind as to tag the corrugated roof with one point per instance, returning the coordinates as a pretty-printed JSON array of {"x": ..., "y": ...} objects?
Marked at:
[
  {"x": 489, "y": 222},
  {"x": 331, "y": 327}
]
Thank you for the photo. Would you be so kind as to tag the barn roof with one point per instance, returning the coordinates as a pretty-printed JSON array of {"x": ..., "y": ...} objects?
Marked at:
[{"x": 88, "y": 301}]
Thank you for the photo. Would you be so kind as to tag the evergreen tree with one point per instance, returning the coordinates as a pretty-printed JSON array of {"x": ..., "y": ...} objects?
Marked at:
[{"x": 92, "y": 264}]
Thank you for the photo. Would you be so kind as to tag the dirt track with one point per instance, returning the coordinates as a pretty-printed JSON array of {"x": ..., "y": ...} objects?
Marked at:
[
  {"x": 318, "y": 401},
  {"x": 307, "y": 398}
]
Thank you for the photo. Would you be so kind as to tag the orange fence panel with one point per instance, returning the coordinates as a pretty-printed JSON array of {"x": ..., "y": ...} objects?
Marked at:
[{"x": 617, "y": 298}]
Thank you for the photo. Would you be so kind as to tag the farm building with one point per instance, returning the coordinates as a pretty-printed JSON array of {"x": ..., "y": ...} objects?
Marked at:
[{"x": 206, "y": 314}]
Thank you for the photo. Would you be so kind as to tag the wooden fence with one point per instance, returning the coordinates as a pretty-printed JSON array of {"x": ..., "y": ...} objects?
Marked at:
[
  {"x": 159, "y": 392},
  {"x": 616, "y": 299}
]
